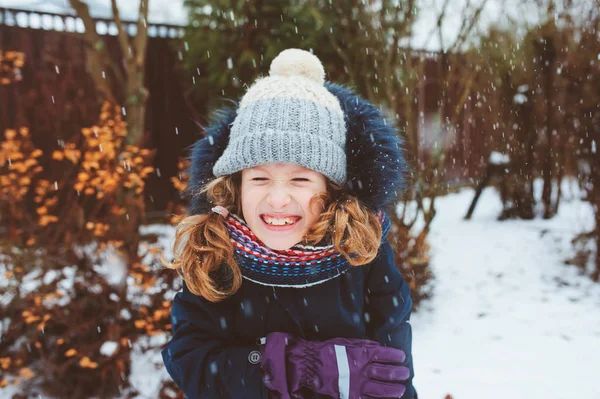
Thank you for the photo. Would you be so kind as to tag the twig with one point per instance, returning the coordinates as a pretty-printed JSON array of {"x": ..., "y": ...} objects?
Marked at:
[
  {"x": 97, "y": 48},
  {"x": 122, "y": 35}
]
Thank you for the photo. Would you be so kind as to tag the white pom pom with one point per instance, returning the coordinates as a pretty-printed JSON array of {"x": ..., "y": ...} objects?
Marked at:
[{"x": 294, "y": 62}]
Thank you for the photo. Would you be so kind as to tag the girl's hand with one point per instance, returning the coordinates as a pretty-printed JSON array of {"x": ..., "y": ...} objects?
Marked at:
[{"x": 339, "y": 367}]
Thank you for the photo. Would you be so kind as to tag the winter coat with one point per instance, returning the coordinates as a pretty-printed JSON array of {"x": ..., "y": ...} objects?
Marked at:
[{"x": 214, "y": 351}]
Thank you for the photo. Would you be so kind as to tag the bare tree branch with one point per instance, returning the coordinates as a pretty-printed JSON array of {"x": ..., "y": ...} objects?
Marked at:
[
  {"x": 465, "y": 30},
  {"x": 342, "y": 55},
  {"x": 457, "y": 109},
  {"x": 391, "y": 55},
  {"x": 439, "y": 23},
  {"x": 142, "y": 33},
  {"x": 97, "y": 50},
  {"x": 122, "y": 34}
]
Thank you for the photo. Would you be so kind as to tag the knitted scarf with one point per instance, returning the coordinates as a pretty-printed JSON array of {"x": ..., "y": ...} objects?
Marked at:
[{"x": 299, "y": 266}]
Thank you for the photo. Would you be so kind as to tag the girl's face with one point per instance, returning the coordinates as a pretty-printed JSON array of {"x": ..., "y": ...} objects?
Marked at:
[{"x": 275, "y": 202}]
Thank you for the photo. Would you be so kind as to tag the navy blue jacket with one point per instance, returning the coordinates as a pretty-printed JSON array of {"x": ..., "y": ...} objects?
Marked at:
[{"x": 208, "y": 356}]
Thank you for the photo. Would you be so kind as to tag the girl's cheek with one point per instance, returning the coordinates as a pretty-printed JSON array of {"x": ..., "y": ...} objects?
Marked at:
[{"x": 256, "y": 191}]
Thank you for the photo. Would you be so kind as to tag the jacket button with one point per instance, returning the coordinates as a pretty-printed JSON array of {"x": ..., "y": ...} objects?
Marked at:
[{"x": 254, "y": 357}]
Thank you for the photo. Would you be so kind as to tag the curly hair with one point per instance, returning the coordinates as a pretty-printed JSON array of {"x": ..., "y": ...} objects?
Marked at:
[{"x": 204, "y": 254}]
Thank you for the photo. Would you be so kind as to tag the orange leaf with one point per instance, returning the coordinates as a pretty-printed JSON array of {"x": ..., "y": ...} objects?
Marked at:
[
  {"x": 26, "y": 372},
  {"x": 10, "y": 134},
  {"x": 50, "y": 202},
  {"x": 79, "y": 186},
  {"x": 31, "y": 319},
  {"x": 71, "y": 352},
  {"x": 140, "y": 323},
  {"x": 47, "y": 219},
  {"x": 5, "y": 362},
  {"x": 87, "y": 363}
]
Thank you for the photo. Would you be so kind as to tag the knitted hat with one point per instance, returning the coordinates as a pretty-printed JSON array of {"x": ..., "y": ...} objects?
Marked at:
[{"x": 288, "y": 117}]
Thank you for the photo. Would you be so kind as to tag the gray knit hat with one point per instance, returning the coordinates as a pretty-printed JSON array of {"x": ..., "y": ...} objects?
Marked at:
[{"x": 288, "y": 117}]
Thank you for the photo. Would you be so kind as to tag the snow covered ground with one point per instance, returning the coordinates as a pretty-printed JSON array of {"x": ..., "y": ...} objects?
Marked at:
[{"x": 507, "y": 319}]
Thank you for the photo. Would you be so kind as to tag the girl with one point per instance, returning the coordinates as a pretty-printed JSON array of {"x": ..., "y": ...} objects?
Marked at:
[{"x": 290, "y": 287}]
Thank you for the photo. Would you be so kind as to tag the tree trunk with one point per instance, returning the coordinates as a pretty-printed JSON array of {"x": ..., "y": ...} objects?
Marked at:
[
  {"x": 526, "y": 152},
  {"x": 136, "y": 115},
  {"x": 548, "y": 56}
]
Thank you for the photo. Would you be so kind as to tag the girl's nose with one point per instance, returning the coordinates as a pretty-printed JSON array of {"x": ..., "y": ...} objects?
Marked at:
[{"x": 278, "y": 198}]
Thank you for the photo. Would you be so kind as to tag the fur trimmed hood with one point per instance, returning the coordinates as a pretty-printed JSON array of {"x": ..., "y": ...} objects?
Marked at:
[{"x": 376, "y": 167}]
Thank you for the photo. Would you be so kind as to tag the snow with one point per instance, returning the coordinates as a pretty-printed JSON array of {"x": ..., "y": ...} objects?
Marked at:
[
  {"x": 497, "y": 158},
  {"x": 507, "y": 318},
  {"x": 31, "y": 282},
  {"x": 147, "y": 369},
  {"x": 50, "y": 276},
  {"x": 113, "y": 267},
  {"x": 108, "y": 348},
  {"x": 520, "y": 98},
  {"x": 125, "y": 314}
]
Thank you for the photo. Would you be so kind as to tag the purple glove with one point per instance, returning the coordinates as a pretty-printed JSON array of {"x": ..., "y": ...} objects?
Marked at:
[{"x": 339, "y": 367}]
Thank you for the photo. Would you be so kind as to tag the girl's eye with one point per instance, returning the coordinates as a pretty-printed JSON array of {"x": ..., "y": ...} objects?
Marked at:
[
  {"x": 301, "y": 179},
  {"x": 260, "y": 179}
]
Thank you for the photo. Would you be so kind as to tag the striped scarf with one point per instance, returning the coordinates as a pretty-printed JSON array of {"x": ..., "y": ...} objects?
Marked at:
[{"x": 299, "y": 266}]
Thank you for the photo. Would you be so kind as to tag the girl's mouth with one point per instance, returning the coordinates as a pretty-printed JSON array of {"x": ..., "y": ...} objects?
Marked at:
[{"x": 279, "y": 223}]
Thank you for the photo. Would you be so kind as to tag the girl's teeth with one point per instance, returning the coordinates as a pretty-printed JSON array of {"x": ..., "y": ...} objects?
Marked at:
[{"x": 279, "y": 222}]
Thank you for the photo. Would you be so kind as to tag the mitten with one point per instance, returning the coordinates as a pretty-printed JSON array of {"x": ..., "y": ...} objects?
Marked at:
[{"x": 340, "y": 367}]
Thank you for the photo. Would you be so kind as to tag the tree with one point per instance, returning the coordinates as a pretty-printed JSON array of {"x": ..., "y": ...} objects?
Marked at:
[
  {"x": 120, "y": 81},
  {"x": 506, "y": 102}
]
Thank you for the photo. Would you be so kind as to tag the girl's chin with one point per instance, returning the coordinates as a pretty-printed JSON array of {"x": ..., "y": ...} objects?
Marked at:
[
  {"x": 279, "y": 245},
  {"x": 280, "y": 241}
]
